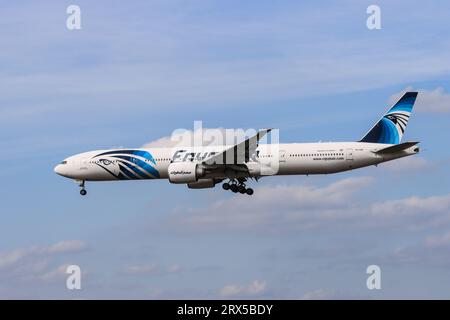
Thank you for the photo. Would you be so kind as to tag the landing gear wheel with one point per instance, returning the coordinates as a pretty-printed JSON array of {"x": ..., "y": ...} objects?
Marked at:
[
  {"x": 234, "y": 188},
  {"x": 226, "y": 186},
  {"x": 242, "y": 189},
  {"x": 83, "y": 191},
  {"x": 249, "y": 191}
]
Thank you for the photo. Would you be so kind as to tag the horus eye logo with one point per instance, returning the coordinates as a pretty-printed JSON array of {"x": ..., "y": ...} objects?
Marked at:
[
  {"x": 106, "y": 162},
  {"x": 399, "y": 119},
  {"x": 392, "y": 118},
  {"x": 128, "y": 164}
]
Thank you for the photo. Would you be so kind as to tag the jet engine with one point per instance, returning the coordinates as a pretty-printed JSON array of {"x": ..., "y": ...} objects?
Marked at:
[
  {"x": 202, "y": 184},
  {"x": 185, "y": 172}
]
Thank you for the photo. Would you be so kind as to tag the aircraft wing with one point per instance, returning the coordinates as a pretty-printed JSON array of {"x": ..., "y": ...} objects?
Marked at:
[{"x": 239, "y": 153}]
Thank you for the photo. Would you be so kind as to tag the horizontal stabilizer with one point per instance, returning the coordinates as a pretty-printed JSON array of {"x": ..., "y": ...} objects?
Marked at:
[{"x": 397, "y": 148}]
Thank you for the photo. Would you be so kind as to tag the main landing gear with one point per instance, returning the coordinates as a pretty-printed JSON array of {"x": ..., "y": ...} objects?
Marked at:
[
  {"x": 83, "y": 191},
  {"x": 236, "y": 187}
]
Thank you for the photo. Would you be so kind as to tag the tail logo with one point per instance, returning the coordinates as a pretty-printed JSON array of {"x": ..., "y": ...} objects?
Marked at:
[
  {"x": 390, "y": 129},
  {"x": 400, "y": 120}
]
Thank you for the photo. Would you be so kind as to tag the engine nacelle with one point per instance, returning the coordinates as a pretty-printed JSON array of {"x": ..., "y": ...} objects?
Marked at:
[
  {"x": 185, "y": 172},
  {"x": 254, "y": 169},
  {"x": 202, "y": 184}
]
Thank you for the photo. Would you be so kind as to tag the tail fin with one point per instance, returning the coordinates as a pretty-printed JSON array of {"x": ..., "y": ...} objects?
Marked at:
[{"x": 392, "y": 125}]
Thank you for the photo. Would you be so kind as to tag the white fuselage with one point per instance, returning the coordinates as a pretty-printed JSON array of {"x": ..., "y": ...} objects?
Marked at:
[{"x": 291, "y": 159}]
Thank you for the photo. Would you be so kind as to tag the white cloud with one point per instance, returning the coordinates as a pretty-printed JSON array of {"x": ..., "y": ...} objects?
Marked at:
[
  {"x": 433, "y": 101},
  {"x": 187, "y": 64},
  {"x": 25, "y": 268},
  {"x": 271, "y": 206},
  {"x": 164, "y": 142},
  {"x": 283, "y": 208},
  {"x": 184, "y": 137},
  {"x": 407, "y": 164},
  {"x": 255, "y": 288},
  {"x": 438, "y": 241},
  {"x": 433, "y": 250},
  {"x": 319, "y": 294},
  {"x": 10, "y": 258},
  {"x": 14, "y": 257},
  {"x": 231, "y": 290},
  {"x": 55, "y": 274},
  {"x": 152, "y": 269},
  {"x": 203, "y": 137},
  {"x": 175, "y": 268},
  {"x": 141, "y": 269},
  {"x": 66, "y": 247},
  {"x": 412, "y": 206},
  {"x": 327, "y": 294}
]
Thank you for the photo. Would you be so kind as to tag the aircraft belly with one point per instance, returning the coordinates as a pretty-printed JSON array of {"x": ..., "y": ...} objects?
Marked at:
[{"x": 312, "y": 167}]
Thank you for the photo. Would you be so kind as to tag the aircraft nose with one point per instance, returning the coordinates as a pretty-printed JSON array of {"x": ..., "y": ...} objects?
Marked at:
[{"x": 58, "y": 169}]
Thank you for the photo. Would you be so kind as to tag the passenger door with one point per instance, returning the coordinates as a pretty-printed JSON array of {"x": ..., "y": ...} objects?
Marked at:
[
  {"x": 349, "y": 158},
  {"x": 349, "y": 154},
  {"x": 282, "y": 156}
]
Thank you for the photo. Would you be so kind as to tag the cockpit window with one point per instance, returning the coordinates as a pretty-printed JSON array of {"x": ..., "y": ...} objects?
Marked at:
[{"x": 64, "y": 162}]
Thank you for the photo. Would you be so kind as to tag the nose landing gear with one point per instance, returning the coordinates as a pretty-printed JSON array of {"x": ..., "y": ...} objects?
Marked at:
[
  {"x": 237, "y": 186},
  {"x": 83, "y": 191}
]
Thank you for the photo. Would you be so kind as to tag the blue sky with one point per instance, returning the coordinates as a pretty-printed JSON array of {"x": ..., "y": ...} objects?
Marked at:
[{"x": 137, "y": 71}]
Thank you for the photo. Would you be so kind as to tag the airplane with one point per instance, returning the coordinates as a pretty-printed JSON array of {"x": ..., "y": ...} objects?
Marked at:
[{"x": 206, "y": 166}]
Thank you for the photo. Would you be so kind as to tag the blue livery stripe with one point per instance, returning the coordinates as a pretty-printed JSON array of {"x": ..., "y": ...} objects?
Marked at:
[
  {"x": 141, "y": 164},
  {"x": 141, "y": 153}
]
